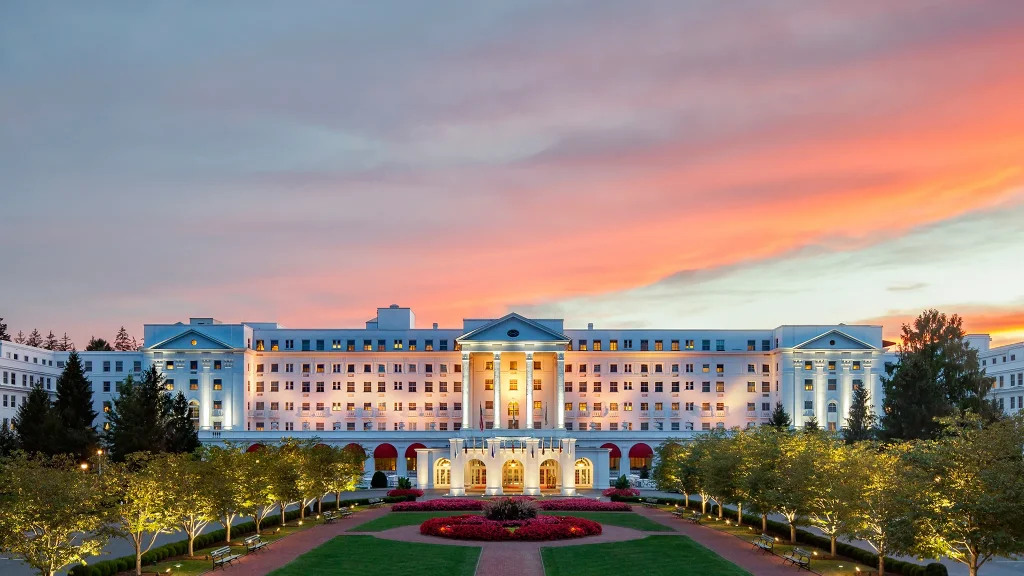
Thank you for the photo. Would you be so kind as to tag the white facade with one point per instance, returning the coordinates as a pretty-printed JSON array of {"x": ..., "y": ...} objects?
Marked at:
[
  {"x": 21, "y": 367},
  {"x": 511, "y": 389},
  {"x": 1006, "y": 365}
]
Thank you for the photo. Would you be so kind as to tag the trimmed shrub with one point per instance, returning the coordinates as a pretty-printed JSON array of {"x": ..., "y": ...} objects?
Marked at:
[
  {"x": 583, "y": 505},
  {"x": 622, "y": 492},
  {"x": 935, "y": 569},
  {"x": 379, "y": 480},
  {"x": 622, "y": 483},
  {"x": 414, "y": 492},
  {"x": 503, "y": 509}
]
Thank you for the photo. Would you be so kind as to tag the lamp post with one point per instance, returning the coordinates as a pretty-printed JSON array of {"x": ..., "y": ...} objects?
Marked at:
[{"x": 99, "y": 461}]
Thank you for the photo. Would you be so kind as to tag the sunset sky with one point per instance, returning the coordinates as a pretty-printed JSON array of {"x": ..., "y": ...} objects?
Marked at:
[{"x": 675, "y": 164}]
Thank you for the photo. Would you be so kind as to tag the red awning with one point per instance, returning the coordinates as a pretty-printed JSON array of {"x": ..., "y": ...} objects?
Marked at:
[
  {"x": 410, "y": 452},
  {"x": 254, "y": 447},
  {"x": 615, "y": 452},
  {"x": 353, "y": 447},
  {"x": 385, "y": 451},
  {"x": 641, "y": 451}
]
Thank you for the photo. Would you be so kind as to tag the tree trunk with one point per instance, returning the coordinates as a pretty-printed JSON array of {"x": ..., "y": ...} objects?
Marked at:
[
  {"x": 282, "y": 513},
  {"x": 256, "y": 521},
  {"x": 720, "y": 510},
  {"x": 138, "y": 562},
  {"x": 764, "y": 523},
  {"x": 687, "y": 498},
  {"x": 337, "y": 500},
  {"x": 833, "y": 538},
  {"x": 881, "y": 564},
  {"x": 319, "y": 505},
  {"x": 792, "y": 533},
  {"x": 302, "y": 511},
  {"x": 227, "y": 529},
  {"x": 191, "y": 541},
  {"x": 739, "y": 514}
]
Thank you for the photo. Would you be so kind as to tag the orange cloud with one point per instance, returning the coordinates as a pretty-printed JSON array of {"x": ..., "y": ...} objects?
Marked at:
[{"x": 1004, "y": 324}]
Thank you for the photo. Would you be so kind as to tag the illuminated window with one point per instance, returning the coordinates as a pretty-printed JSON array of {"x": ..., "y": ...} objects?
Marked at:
[
  {"x": 513, "y": 384},
  {"x": 613, "y": 345},
  {"x": 719, "y": 386},
  {"x": 808, "y": 384},
  {"x": 259, "y": 345},
  {"x": 675, "y": 345},
  {"x": 659, "y": 346},
  {"x": 488, "y": 384}
]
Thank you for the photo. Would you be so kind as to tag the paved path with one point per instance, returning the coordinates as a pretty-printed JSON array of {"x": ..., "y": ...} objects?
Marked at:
[
  {"x": 291, "y": 547},
  {"x": 725, "y": 545}
]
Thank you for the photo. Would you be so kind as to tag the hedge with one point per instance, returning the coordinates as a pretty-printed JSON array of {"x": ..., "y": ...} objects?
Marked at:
[
  {"x": 850, "y": 551},
  {"x": 208, "y": 539}
]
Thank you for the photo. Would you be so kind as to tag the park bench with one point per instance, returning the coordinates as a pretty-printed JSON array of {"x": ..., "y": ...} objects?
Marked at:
[
  {"x": 798, "y": 557},
  {"x": 254, "y": 543},
  {"x": 679, "y": 512},
  {"x": 375, "y": 502},
  {"x": 765, "y": 542},
  {"x": 332, "y": 516},
  {"x": 695, "y": 517},
  {"x": 650, "y": 502},
  {"x": 223, "y": 557}
]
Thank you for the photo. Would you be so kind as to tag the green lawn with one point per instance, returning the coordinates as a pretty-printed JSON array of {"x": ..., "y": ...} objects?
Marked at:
[
  {"x": 624, "y": 519},
  {"x": 652, "y": 556},
  {"x": 368, "y": 555}
]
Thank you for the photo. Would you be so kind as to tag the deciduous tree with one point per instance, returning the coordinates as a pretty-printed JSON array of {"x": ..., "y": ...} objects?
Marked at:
[
  {"x": 759, "y": 474},
  {"x": 883, "y": 517},
  {"x": 796, "y": 467},
  {"x": 257, "y": 486},
  {"x": 835, "y": 487},
  {"x": 974, "y": 484},
  {"x": 282, "y": 464},
  {"x": 936, "y": 372},
  {"x": 141, "y": 500},
  {"x": 346, "y": 470},
  {"x": 226, "y": 477},
  {"x": 191, "y": 494},
  {"x": 719, "y": 467},
  {"x": 53, "y": 512},
  {"x": 98, "y": 345}
]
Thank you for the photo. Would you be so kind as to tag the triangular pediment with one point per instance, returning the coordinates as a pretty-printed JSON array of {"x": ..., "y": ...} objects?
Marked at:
[
  {"x": 834, "y": 340},
  {"x": 184, "y": 341},
  {"x": 513, "y": 328}
]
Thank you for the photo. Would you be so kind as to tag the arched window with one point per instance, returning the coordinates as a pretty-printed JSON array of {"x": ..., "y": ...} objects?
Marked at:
[
  {"x": 193, "y": 413},
  {"x": 442, "y": 473},
  {"x": 513, "y": 408},
  {"x": 584, "y": 473},
  {"x": 833, "y": 408}
]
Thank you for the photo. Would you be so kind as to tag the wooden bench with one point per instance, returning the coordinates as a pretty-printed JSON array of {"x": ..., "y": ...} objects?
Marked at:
[
  {"x": 650, "y": 502},
  {"x": 679, "y": 512},
  {"x": 254, "y": 543},
  {"x": 223, "y": 557},
  {"x": 375, "y": 502},
  {"x": 332, "y": 516},
  {"x": 798, "y": 557},
  {"x": 765, "y": 542},
  {"x": 696, "y": 517}
]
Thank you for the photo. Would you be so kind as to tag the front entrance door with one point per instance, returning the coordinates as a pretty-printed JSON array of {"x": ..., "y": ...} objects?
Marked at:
[
  {"x": 549, "y": 475},
  {"x": 512, "y": 475}
]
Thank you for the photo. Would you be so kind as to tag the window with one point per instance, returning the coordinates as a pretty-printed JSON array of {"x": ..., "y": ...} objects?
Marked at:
[
  {"x": 382, "y": 387},
  {"x": 644, "y": 346},
  {"x": 537, "y": 385},
  {"x": 412, "y": 387},
  {"x": 675, "y": 387},
  {"x": 381, "y": 345},
  {"x": 106, "y": 386},
  {"x": 766, "y": 387},
  {"x": 705, "y": 386},
  {"x": 689, "y": 385},
  {"x": 808, "y": 365},
  {"x": 489, "y": 384},
  {"x": 855, "y": 365},
  {"x": 613, "y": 345},
  {"x": 428, "y": 387},
  {"x": 659, "y": 346},
  {"x": 305, "y": 345},
  {"x": 808, "y": 384},
  {"x": 489, "y": 365},
  {"x": 613, "y": 386},
  {"x": 751, "y": 345},
  {"x": 627, "y": 385},
  {"x": 259, "y": 387},
  {"x": 720, "y": 345},
  {"x": 832, "y": 408},
  {"x": 831, "y": 383},
  {"x": 106, "y": 365},
  {"x": 582, "y": 346},
  {"x": 367, "y": 387},
  {"x": 831, "y": 365},
  {"x": 193, "y": 384},
  {"x": 568, "y": 387},
  {"x": 305, "y": 387},
  {"x": 319, "y": 386},
  {"x": 751, "y": 386},
  {"x": 659, "y": 386},
  {"x": 705, "y": 368},
  {"x": 808, "y": 405},
  {"x": 719, "y": 386},
  {"x": 719, "y": 369}
]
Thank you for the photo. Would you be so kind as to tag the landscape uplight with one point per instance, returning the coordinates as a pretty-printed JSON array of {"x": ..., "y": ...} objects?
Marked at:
[{"x": 84, "y": 466}]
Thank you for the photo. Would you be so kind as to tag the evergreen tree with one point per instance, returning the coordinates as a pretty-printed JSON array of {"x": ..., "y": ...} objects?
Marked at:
[
  {"x": 145, "y": 417},
  {"x": 780, "y": 418},
  {"x": 861, "y": 423},
  {"x": 73, "y": 410},
  {"x": 936, "y": 373},
  {"x": 8, "y": 441},
  {"x": 35, "y": 339},
  {"x": 123, "y": 342},
  {"x": 51, "y": 342},
  {"x": 3, "y": 331},
  {"x": 65, "y": 344},
  {"x": 812, "y": 424},
  {"x": 20, "y": 338},
  {"x": 181, "y": 432},
  {"x": 35, "y": 423},
  {"x": 98, "y": 345}
]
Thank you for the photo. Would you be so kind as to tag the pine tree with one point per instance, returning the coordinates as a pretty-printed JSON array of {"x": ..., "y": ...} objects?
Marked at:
[
  {"x": 123, "y": 342},
  {"x": 35, "y": 423},
  {"x": 181, "y": 432},
  {"x": 20, "y": 338},
  {"x": 51, "y": 342},
  {"x": 8, "y": 441},
  {"x": 3, "y": 331},
  {"x": 861, "y": 423},
  {"x": 35, "y": 339},
  {"x": 780, "y": 418},
  {"x": 73, "y": 410},
  {"x": 65, "y": 344},
  {"x": 98, "y": 345},
  {"x": 812, "y": 424}
]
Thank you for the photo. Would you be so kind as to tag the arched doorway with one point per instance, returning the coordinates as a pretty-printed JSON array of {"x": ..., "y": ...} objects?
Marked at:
[
  {"x": 513, "y": 415},
  {"x": 443, "y": 473},
  {"x": 410, "y": 457},
  {"x": 614, "y": 458},
  {"x": 254, "y": 448},
  {"x": 193, "y": 413},
  {"x": 584, "y": 473},
  {"x": 549, "y": 479},
  {"x": 385, "y": 458},
  {"x": 512, "y": 475},
  {"x": 476, "y": 475},
  {"x": 640, "y": 457}
]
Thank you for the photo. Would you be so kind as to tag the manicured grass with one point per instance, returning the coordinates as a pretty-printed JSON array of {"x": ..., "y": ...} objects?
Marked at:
[
  {"x": 396, "y": 519},
  {"x": 368, "y": 555},
  {"x": 624, "y": 519},
  {"x": 182, "y": 565},
  {"x": 652, "y": 556}
]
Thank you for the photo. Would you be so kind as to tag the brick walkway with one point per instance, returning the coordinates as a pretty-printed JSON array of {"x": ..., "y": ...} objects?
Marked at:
[
  {"x": 727, "y": 546},
  {"x": 289, "y": 548}
]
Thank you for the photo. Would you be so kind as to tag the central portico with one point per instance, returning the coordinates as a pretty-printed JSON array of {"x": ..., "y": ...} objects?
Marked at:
[{"x": 520, "y": 346}]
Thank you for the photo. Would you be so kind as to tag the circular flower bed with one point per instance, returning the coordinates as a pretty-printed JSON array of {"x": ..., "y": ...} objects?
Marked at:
[{"x": 473, "y": 527}]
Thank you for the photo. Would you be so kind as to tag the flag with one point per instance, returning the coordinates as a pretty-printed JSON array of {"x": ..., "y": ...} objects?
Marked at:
[
  {"x": 545, "y": 414},
  {"x": 481, "y": 415}
]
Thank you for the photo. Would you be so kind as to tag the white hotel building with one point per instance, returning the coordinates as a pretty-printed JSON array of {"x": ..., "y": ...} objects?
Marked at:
[{"x": 507, "y": 405}]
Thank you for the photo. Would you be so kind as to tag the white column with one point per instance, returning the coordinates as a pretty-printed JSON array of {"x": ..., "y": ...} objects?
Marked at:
[
  {"x": 424, "y": 466},
  {"x": 466, "y": 408},
  {"x": 560, "y": 390},
  {"x": 568, "y": 464},
  {"x": 401, "y": 469},
  {"x": 820, "y": 391},
  {"x": 497, "y": 392},
  {"x": 531, "y": 462},
  {"x": 529, "y": 390},
  {"x": 494, "y": 466},
  {"x": 845, "y": 389},
  {"x": 458, "y": 467}
]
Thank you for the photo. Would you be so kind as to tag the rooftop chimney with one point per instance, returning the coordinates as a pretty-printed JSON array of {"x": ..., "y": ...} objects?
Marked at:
[
  {"x": 435, "y": 325},
  {"x": 590, "y": 326}
]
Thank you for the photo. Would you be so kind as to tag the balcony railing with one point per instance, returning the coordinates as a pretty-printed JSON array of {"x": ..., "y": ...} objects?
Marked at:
[
  {"x": 722, "y": 413},
  {"x": 645, "y": 413},
  {"x": 256, "y": 413},
  {"x": 613, "y": 414},
  {"x": 584, "y": 414},
  {"x": 570, "y": 415},
  {"x": 442, "y": 414},
  {"x": 305, "y": 413},
  {"x": 412, "y": 413},
  {"x": 217, "y": 412},
  {"x": 380, "y": 414},
  {"x": 351, "y": 414},
  {"x": 659, "y": 413},
  {"x": 456, "y": 413},
  {"x": 274, "y": 414},
  {"x": 706, "y": 413},
  {"x": 321, "y": 413},
  {"x": 673, "y": 414},
  {"x": 751, "y": 413}
]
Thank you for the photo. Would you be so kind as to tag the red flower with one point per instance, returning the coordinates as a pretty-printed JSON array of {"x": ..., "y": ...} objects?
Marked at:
[
  {"x": 621, "y": 492},
  {"x": 583, "y": 504},
  {"x": 439, "y": 505},
  {"x": 472, "y": 527},
  {"x": 406, "y": 492}
]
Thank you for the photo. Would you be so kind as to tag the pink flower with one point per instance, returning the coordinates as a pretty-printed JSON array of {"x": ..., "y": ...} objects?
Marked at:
[
  {"x": 472, "y": 527},
  {"x": 439, "y": 505},
  {"x": 583, "y": 505},
  {"x": 406, "y": 492},
  {"x": 621, "y": 492}
]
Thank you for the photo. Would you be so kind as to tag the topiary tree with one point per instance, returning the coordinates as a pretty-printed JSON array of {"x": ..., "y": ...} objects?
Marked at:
[
  {"x": 404, "y": 484},
  {"x": 379, "y": 480},
  {"x": 622, "y": 482}
]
